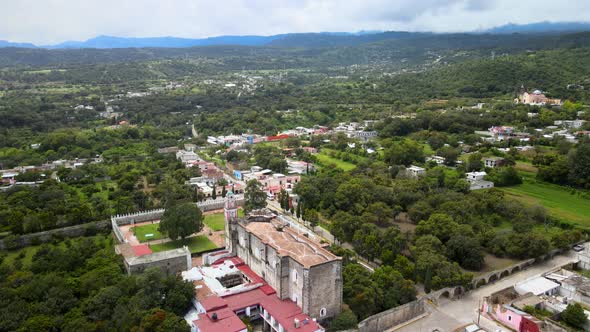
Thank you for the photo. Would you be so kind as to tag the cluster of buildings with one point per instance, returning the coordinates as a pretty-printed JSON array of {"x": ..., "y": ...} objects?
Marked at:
[
  {"x": 271, "y": 182},
  {"x": 8, "y": 176},
  {"x": 551, "y": 292},
  {"x": 357, "y": 130},
  {"x": 502, "y": 133},
  {"x": 269, "y": 273},
  {"x": 211, "y": 175}
]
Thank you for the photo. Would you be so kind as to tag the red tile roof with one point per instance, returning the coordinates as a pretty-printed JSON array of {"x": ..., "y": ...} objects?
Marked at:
[{"x": 141, "y": 249}]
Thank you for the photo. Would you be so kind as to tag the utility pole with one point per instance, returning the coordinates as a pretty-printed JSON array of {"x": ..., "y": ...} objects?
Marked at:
[{"x": 478, "y": 310}]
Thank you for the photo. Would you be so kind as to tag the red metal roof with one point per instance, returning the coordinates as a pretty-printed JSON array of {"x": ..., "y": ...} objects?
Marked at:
[
  {"x": 226, "y": 321},
  {"x": 213, "y": 303},
  {"x": 284, "y": 311},
  {"x": 141, "y": 249},
  {"x": 277, "y": 137}
]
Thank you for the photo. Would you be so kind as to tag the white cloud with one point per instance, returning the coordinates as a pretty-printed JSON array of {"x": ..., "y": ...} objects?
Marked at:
[{"x": 52, "y": 21}]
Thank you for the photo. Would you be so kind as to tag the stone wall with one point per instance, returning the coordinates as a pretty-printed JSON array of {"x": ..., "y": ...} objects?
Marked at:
[
  {"x": 141, "y": 216},
  {"x": 47, "y": 236},
  {"x": 393, "y": 317}
]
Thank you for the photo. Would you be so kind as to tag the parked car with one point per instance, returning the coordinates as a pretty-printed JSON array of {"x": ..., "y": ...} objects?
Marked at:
[{"x": 578, "y": 247}]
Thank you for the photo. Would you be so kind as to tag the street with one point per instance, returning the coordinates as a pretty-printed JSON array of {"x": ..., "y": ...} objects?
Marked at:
[{"x": 451, "y": 314}]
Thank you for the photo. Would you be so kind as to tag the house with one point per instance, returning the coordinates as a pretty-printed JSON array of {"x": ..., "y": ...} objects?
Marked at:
[
  {"x": 365, "y": 136},
  {"x": 415, "y": 171},
  {"x": 437, "y": 159},
  {"x": 572, "y": 285},
  {"x": 574, "y": 124},
  {"x": 476, "y": 181},
  {"x": 493, "y": 162},
  {"x": 500, "y": 307},
  {"x": 187, "y": 157},
  {"x": 537, "y": 286},
  {"x": 299, "y": 167}
]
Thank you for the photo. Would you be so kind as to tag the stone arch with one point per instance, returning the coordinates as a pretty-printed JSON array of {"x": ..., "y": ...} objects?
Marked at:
[
  {"x": 458, "y": 291},
  {"x": 480, "y": 282},
  {"x": 492, "y": 278},
  {"x": 504, "y": 274},
  {"x": 516, "y": 269},
  {"x": 446, "y": 294}
]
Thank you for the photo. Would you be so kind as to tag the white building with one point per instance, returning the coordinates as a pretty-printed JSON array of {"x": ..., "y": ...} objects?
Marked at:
[{"x": 476, "y": 181}]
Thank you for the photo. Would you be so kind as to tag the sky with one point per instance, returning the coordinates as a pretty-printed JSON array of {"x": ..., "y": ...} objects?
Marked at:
[{"x": 52, "y": 21}]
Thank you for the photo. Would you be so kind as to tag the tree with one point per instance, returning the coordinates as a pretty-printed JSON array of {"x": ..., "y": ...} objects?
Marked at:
[
  {"x": 345, "y": 320},
  {"x": 158, "y": 320},
  {"x": 466, "y": 251},
  {"x": 579, "y": 165},
  {"x": 223, "y": 192},
  {"x": 298, "y": 210},
  {"x": 574, "y": 315},
  {"x": 450, "y": 154},
  {"x": 181, "y": 221},
  {"x": 312, "y": 217},
  {"x": 214, "y": 192},
  {"x": 504, "y": 176},
  {"x": 404, "y": 153},
  {"x": 474, "y": 162},
  {"x": 254, "y": 196}
]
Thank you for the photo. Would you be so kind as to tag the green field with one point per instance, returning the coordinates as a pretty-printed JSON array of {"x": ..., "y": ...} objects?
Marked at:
[
  {"x": 141, "y": 231},
  {"x": 326, "y": 160},
  {"x": 216, "y": 221},
  {"x": 558, "y": 200},
  {"x": 195, "y": 244}
]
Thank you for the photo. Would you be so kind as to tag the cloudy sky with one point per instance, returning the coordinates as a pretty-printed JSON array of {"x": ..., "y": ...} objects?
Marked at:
[{"x": 53, "y": 21}]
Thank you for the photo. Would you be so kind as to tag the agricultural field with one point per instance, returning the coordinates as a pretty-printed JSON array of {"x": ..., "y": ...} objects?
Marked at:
[
  {"x": 563, "y": 203},
  {"x": 326, "y": 160},
  {"x": 195, "y": 244}
]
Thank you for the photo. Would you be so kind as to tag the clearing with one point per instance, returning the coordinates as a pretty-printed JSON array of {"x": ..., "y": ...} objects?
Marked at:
[{"x": 327, "y": 160}]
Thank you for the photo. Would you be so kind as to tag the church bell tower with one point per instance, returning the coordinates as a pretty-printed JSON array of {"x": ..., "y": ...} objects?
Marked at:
[{"x": 231, "y": 215}]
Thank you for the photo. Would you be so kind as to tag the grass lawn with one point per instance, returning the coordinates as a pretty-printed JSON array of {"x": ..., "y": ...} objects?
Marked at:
[
  {"x": 141, "y": 232},
  {"x": 326, "y": 160},
  {"x": 216, "y": 221},
  {"x": 195, "y": 244},
  {"x": 558, "y": 200}
]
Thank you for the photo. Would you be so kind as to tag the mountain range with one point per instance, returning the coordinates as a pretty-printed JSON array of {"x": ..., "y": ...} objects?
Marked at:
[{"x": 321, "y": 39}]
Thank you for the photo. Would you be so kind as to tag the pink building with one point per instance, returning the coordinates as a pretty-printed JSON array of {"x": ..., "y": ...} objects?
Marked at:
[{"x": 511, "y": 317}]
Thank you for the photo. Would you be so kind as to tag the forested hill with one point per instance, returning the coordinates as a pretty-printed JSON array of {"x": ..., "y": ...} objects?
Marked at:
[
  {"x": 549, "y": 70},
  {"x": 302, "y": 50}
]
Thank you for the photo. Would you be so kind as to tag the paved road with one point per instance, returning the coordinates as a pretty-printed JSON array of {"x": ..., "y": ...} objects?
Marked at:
[{"x": 451, "y": 314}]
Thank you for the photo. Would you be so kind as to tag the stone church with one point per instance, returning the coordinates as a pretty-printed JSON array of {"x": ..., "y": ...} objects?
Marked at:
[{"x": 295, "y": 266}]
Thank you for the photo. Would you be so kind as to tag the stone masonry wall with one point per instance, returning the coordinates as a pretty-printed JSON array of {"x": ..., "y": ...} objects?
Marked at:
[{"x": 393, "y": 317}]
